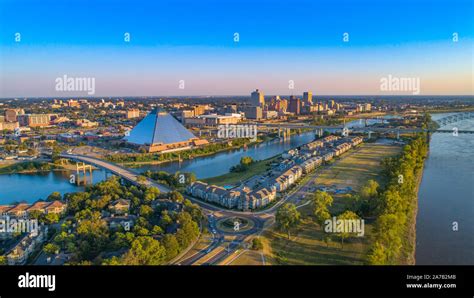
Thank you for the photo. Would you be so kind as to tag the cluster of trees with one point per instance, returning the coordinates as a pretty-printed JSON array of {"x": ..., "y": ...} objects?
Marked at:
[
  {"x": 188, "y": 154},
  {"x": 29, "y": 166},
  {"x": 172, "y": 180},
  {"x": 157, "y": 235},
  {"x": 367, "y": 202},
  {"x": 244, "y": 164},
  {"x": 148, "y": 250},
  {"x": 397, "y": 205},
  {"x": 321, "y": 202},
  {"x": 331, "y": 120}
]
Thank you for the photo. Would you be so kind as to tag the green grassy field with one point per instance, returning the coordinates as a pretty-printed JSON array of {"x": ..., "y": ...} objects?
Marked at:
[
  {"x": 358, "y": 166},
  {"x": 306, "y": 245},
  {"x": 256, "y": 168}
]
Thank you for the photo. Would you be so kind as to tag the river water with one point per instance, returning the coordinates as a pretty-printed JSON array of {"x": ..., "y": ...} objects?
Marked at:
[{"x": 446, "y": 197}]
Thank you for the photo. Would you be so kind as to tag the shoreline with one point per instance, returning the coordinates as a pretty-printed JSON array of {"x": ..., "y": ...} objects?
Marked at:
[{"x": 412, "y": 227}]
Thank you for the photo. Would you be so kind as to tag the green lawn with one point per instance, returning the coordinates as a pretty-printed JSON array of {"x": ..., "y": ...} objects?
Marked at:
[
  {"x": 233, "y": 178},
  {"x": 359, "y": 166}
]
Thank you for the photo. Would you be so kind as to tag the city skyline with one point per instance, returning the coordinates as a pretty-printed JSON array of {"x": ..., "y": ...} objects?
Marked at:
[{"x": 176, "y": 50}]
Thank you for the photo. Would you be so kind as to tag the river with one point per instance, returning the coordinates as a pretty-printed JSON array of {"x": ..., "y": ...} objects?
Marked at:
[{"x": 446, "y": 197}]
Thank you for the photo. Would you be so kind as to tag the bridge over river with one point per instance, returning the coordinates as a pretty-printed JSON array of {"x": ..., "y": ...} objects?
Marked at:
[{"x": 122, "y": 172}]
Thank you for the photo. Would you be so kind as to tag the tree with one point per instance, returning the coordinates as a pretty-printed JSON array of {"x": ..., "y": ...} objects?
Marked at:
[
  {"x": 51, "y": 248},
  {"x": 157, "y": 230},
  {"x": 145, "y": 251},
  {"x": 145, "y": 211},
  {"x": 3, "y": 260},
  {"x": 387, "y": 232},
  {"x": 377, "y": 255},
  {"x": 51, "y": 218},
  {"x": 246, "y": 161},
  {"x": 369, "y": 190},
  {"x": 151, "y": 193},
  {"x": 141, "y": 179},
  {"x": 55, "y": 196},
  {"x": 165, "y": 219},
  {"x": 93, "y": 236},
  {"x": 346, "y": 216},
  {"x": 257, "y": 244},
  {"x": 287, "y": 217},
  {"x": 321, "y": 201},
  {"x": 176, "y": 196},
  {"x": 171, "y": 245},
  {"x": 368, "y": 201}
]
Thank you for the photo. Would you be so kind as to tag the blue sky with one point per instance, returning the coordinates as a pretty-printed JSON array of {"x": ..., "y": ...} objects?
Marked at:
[{"x": 193, "y": 41}]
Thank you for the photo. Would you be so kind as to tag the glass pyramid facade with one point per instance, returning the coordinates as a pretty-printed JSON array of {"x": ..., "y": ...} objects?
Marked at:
[{"x": 159, "y": 127}]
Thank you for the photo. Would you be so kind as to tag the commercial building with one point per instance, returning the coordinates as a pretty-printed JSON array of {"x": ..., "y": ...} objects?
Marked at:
[
  {"x": 253, "y": 112},
  {"x": 308, "y": 98},
  {"x": 257, "y": 99},
  {"x": 161, "y": 132},
  {"x": 295, "y": 105},
  {"x": 35, "y": 120},
  {"x": 214, "y": 119}
]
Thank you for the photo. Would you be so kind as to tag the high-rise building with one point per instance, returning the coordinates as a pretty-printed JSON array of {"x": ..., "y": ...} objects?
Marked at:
[
  {"x": 295, "y": 105},
  {"x": 253, "y": 112},
  {"x": 308, "y": 98},
  {"x": 257, "y": 99}
]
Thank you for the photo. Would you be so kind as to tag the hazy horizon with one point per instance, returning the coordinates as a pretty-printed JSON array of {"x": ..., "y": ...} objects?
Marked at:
[{"x": 175, "y": 48}]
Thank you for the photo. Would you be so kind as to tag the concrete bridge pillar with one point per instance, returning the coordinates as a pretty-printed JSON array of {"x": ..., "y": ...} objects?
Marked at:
[{"x": 81, "y": 167}]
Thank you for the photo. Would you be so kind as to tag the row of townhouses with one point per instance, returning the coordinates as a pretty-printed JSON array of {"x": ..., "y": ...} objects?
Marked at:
[
  {"x": 240, "y": 199},
  {"x": 320, "y": 143},
  {"x": 288, "y": 178},
  {"x": 247, "y": 200},
  {"x": 310, "y": 164},
  {"x": 23, "y": 209}
]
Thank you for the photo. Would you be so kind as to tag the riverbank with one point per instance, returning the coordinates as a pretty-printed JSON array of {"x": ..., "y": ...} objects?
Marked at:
[
  {"x": 411, "y": 237},
  {"x": 25, "y": 167},
  {"x": 182, "y": 155}
]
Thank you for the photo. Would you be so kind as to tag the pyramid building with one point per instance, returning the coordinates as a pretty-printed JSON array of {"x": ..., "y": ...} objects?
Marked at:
[{"x": 161, "y": 132}]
